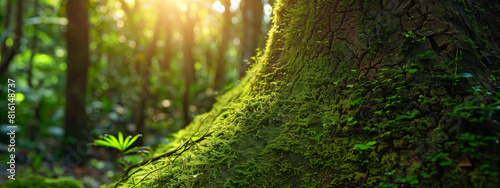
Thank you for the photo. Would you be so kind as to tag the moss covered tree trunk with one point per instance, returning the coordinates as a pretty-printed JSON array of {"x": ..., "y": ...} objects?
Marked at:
[{"x": 353, "y": 93}]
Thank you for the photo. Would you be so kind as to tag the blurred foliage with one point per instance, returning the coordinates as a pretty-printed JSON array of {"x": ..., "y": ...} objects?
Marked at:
[
  {"x": 118, "y": 44},
  {"x": 42, "y": 182}
]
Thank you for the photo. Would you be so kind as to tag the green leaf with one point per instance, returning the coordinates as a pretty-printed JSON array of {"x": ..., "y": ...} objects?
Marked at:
[
  {"x": 391, "y": 172},
  {"x": 125, "y": 143},
  {"x": 102, "y": 143},
  {"x": 120, "y": 140},
  {"x": 414, "y": 181},
  {"x": 194, "y": 138},
  {"x": 133, "y": 140},
  {"x": 368, "y": 145},
  {"x": 361, "y": 146},
  {"x": 132, "y": 159},
  {"x": 130, "y": 150},
  {"x": 369, "y": 128},
  {"x": 357, "y": 101},
  {"x": 113, "y": 142},
  {"x": 371, "y": 143},
  {"x": 350, "y": 85},
  {"x": 412, "y": 70},
  {"x": 445, "y": 163}
]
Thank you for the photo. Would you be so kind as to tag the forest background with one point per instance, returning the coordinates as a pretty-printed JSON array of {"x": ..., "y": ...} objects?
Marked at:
[{"x": 151, "y": 66}]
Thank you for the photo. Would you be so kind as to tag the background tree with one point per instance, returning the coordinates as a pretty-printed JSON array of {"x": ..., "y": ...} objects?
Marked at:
[
  {"x": 75, "y": 115},
  {"x": 252, "y": 12},
  {"x": 220, "y": 70},
  {"x": 189, "y": 20},
  {"x": 33, "y": 47},
  {"x": 146, "y": 73},
  {"x": 354, "y": 93},
  {"x": 8, "y": 54}
]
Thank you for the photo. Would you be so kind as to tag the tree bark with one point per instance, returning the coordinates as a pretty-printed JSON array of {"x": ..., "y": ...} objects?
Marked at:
[
  {"x": 354, "y": 93},
  {"x": 77, "y": 36}
]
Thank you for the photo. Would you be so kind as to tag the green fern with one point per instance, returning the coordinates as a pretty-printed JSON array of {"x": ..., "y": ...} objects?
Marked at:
[{"x": 118, "y": 143}]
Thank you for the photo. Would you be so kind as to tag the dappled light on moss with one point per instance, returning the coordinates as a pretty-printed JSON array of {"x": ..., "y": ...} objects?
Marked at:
[{"x": 350, "y": 101}]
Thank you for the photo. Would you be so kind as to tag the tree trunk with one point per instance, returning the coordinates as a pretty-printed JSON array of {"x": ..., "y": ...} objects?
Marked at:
[
  {"x": 357, "y": 93},
  {"x": 252, "y": 32},
  {"x": 146, "y": 74},
  {"x": 75, "y": 121},
  {"x": 34, "y": 48},
  {"x": 220, "y": 70},
  {"x": 8, "y": 55},
  {"x": 6, "y": 24},
  {"x": 168, "y": 53},
  {"x": 188, "y": 65}
]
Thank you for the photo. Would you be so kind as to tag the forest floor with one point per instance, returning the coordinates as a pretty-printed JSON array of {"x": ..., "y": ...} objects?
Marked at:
[{"x": 98, "y": 171}]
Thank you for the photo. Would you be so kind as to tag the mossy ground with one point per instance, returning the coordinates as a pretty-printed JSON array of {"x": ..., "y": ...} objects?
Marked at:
[
  {"x": 42, "y": 182},
  {"x": 346, "y": 96}
]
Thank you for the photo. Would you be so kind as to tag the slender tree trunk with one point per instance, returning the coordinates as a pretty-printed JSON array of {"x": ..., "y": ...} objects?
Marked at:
[
  {"x": 34, "y": 49},
  {"x": 8, "y": 55},
  {"x": 77, "y": 37},
  {"x": 8, "y": 10},
  {"x": 220, "y": 70},
  {"x": 357, "y": 94},
  {"x": 188, "y": 66},
  {"x": 146, "y": 74},
  {"x": 167, "y": 50},
  {"x": 252, "y": 32}
]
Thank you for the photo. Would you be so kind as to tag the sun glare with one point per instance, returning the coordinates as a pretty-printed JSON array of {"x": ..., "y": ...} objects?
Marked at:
[{"x": 217, "y": 6}]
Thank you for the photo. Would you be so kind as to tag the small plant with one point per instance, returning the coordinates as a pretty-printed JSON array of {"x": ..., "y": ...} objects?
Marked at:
[
  {"x": 414, "y": 37},
  {"x": 118, "y": 143},
  {"x": 355, "y": 102},
  {"x": 410, "y": 34},
  {"x": 350, "y": 122},
  {"x": 412, "y": 70},
  {"x": 366, "y": 146},
  {"x": 411, "y": 179},
  {"x": 369, "y": 128},
  {"x": 427, "y": 55},
  {"x": 442, "y": 157}
]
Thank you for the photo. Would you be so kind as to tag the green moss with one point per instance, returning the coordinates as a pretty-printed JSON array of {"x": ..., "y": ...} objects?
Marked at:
[
  {"x": 275, "y": 128},
  {"x": 42, "y": 182}
]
